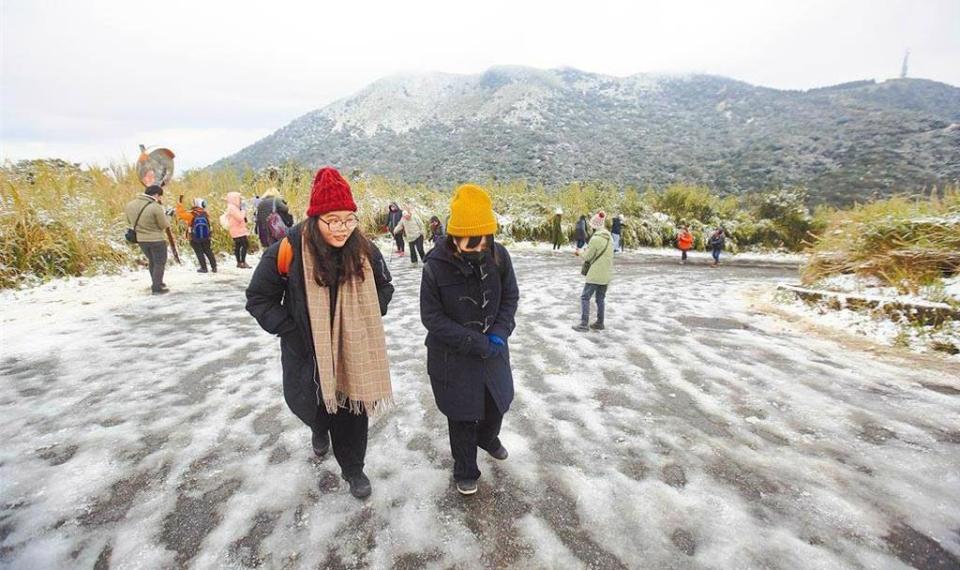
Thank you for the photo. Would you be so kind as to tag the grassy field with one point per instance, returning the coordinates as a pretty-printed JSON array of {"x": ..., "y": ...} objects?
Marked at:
[{"x": 58, "y": 219}]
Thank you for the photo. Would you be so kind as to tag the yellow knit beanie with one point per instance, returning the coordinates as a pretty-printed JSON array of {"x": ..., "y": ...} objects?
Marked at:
[{"x": 471, "y": 213}]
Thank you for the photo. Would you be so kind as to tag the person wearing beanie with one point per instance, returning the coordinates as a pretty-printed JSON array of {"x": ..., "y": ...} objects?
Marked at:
[
  {"x": 412, "y": 227},
  {"x": 199, "y": 232},
  {"x": 237, "y": 225},
  {"x": 324, "y": 289},
  {"x": 147, "y": 218},
  {"x": 598, "y": 269},
  {"x": 468, "y": 302}
]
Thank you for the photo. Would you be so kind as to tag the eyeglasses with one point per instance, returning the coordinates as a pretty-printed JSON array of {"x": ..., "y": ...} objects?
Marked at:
[{"x": 338, "y": 224}]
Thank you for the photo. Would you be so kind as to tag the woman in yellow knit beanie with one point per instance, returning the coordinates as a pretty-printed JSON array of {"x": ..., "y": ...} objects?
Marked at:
[{"x": 468, "y": 299}]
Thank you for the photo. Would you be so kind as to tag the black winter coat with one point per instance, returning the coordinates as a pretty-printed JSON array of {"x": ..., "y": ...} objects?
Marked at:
[
  {"x": 580, "y": 230},
  {"x": 459, "y": 306},
  {"x": 279, "y": 304}
]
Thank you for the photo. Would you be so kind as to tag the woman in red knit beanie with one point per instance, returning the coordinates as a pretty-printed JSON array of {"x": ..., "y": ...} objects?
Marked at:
[{"x": 323, "y": 290}]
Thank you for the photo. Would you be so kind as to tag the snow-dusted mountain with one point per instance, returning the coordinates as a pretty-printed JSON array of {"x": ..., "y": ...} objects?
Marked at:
[{"x": 560, "y": 125}]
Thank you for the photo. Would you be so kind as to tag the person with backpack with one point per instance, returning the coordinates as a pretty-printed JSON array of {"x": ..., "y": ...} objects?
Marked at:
[
  {"x": 394, "y": 215},
  {"x": 273, "y": 218},
  {"x": 147, "y": 221},
  {"x": 437, "y": 235},
  {"x": 468, "y": 302},
  {"x": 413, "y": 228},
  {"x": 556, "y": 229},
  {"x": 684, "y": 243},
  {"x": 598, "y": 269},
  {"x": 199, "y": 232},
  {"x": 236, "y": 224},
  {"x": 716, "y": 242},
  {"x": 324, "y": 290},
  {"x": 580, "y": 233}
]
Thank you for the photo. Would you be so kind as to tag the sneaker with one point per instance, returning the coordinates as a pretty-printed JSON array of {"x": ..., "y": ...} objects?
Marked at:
[
  {"x": 202, "y": 270},
  {"x": 597, "y": 326},
  {"x": 321, "y": 443},
  {"x": 500, "y": 454},
  {"x": 160, "y": 291},
  {"x": 582, "y": 327},
  {"x": 359, "y": 485},
  {"x": 467, "y": 486}
]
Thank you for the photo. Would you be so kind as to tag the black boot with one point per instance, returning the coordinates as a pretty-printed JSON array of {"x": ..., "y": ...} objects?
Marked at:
[
  {"x": 321, "y": 443},
  {"x": 359, "y": 485}
]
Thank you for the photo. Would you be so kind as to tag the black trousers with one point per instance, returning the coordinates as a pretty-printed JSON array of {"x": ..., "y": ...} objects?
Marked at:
[
  {"x": 240, "y": 247},
  {"x": 466, "y": 437},
  {"x": 416, "y": 246},
  {"x": 156, "y": 252},
  {"x": 204, "y": 251},
  {"x": 348, "y": 438},
  {"x": 399, "y": 239}
]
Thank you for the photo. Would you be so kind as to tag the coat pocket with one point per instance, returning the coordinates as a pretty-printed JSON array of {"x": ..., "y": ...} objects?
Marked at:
[{"x": 437, "y": 364}]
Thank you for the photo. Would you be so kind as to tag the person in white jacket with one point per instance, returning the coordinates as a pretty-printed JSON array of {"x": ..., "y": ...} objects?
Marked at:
[{"x": 413, "y": 228}]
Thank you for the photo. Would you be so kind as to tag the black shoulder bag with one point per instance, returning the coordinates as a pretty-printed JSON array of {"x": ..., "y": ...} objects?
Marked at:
[
  {"x": 587, "y": 263},
  {"x": 131, "y": 234}
]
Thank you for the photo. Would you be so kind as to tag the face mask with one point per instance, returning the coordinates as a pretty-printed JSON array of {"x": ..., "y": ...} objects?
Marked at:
[{"x": 474, "y": 257}]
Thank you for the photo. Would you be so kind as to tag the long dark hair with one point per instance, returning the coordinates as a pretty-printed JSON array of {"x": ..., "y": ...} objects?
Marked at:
[
  {"x": 473, "y": 241},
  {"x": 356, "y": 248}
]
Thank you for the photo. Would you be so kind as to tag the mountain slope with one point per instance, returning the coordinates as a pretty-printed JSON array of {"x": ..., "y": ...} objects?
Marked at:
[{"x": 844, "y": 142}]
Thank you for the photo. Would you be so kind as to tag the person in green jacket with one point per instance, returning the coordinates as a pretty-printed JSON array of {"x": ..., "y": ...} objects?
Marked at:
[
  {"x": 556, "y": 231},
  {"x": 599, "y": 254},
  {"x": 146, "y": 216}
]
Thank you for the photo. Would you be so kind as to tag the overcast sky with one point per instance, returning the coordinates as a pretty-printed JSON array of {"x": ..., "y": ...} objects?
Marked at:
[{"x": 87, "y": 81}]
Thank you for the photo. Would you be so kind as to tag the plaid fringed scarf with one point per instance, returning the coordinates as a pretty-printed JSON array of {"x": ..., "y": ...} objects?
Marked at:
[{"x": 352, "y": 352}]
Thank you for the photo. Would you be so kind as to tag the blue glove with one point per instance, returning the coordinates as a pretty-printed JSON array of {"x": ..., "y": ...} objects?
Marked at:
[{"x": 496, "y": 340}]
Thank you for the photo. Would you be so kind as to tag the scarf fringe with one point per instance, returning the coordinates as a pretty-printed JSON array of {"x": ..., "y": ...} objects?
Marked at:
[{"x": 358, "y": 407}]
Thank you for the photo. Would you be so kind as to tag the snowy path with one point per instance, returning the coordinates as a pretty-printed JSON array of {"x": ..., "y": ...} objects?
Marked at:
[{"x": 143, "y": 432}]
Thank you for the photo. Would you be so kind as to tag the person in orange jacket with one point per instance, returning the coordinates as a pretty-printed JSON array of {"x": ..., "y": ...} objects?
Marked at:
[
  {"x": 199, "y": 231},
  {"x": 684, "y": 243}
]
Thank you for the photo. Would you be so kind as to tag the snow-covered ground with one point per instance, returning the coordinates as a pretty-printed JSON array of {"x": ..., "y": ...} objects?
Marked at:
[
  {"x": 150, "y": 432},
  {"x": 877, "y": 325}
]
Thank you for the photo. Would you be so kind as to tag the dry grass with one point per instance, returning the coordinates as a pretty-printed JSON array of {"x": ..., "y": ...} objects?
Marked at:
[{"x": 907, "y": 243}]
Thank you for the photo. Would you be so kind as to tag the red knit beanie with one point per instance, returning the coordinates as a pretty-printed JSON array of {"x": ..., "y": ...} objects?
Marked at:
[{"x": 330, "y": 193}]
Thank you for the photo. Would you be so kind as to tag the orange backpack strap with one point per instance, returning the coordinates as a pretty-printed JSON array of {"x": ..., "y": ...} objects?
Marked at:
[{"x": 284, "y": 257}]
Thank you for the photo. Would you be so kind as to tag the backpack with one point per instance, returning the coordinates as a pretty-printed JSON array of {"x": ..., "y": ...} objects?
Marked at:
[
  {"x": 200, "y": 228},
  {"x": 284, "y": 256},
  {"x": 276, "y": 229}
]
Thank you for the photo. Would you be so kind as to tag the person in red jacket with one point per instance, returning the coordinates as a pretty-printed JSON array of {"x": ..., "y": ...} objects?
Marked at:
[{"x": 684, "y": 243}]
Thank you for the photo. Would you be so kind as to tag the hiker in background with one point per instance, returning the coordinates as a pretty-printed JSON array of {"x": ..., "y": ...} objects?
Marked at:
[
  {"x": 199, "y": 232},
  {"x": 147, "y": 218},
  {"x": 237, "y": 225},
  {"x": 324, "y": 290},
  {"x": 393, "y": 218},
  {"x": 716, "y": 242},
  {"x": 598, "y": 268},
  {"x": 580, "y": 233},
  {"x": 468, "y": 300},
  {"x": 273, "y": 218},
  {"x": 437, "y": 235},
  {"x": 556, "y": 229},
  {"x": 413, "y": 228},
  {"x": 684, "y": 243},
  {"x": 616, "y": 229}
]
